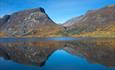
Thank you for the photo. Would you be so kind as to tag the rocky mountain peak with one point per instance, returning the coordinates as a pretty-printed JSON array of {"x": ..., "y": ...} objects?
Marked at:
[
  {"x": 27, "y": 22},
  {"x": 40, "y": 9}
]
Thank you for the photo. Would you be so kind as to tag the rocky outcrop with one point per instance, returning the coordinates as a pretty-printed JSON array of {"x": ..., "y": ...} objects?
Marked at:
[{"x": 4, "y": 19}]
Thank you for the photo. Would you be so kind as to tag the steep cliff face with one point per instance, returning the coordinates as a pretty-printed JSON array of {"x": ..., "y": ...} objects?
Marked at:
[
  {"x": 94, "y": 20},
  {"x": 4, "y": 19},
  {"x": 29, "y": 23}
]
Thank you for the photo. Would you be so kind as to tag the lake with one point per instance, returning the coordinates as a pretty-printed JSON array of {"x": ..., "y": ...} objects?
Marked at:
[{"x": 57, "y": 53}]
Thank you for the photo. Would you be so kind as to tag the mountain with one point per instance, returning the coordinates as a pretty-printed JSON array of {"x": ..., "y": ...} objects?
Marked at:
[
  {"x": 95, "y": 22},
  {"x": 36, "y": 23},
  {"x": 28, "y": 23}
]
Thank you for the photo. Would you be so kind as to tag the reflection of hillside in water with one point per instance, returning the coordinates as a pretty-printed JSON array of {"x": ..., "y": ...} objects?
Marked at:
[
  {"x": 32, "y": 53},
  {"x": 100, "y": 51}
]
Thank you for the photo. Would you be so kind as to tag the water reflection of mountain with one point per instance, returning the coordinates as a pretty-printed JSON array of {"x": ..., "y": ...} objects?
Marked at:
[
  {"x": 100, "y": 51},
  {"x": 34, "y": 53}
]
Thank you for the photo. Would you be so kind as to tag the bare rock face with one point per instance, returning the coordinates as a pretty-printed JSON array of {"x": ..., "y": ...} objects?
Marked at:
[
  {"x": 93, "y": 19},
  {"x": 4, "y": 19},
  {"x": 28, "y": 22}
]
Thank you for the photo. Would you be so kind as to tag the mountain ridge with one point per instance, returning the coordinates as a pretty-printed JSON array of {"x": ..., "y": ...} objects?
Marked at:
[
  {"x": 93, "y": 21},
  {"x": 36, "y": 23}
]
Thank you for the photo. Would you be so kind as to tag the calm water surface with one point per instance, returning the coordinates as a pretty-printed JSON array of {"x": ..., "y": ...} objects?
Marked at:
[{"x": 57, "y": 54}]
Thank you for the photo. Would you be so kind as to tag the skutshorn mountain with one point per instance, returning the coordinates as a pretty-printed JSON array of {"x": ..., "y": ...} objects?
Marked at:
[
  {"x": 28, "y": 23},
  {"x": 36, "y": 23}
]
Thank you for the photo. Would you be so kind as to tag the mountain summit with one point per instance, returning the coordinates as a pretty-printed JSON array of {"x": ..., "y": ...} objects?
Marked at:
[{"x": 28, "y": 23}]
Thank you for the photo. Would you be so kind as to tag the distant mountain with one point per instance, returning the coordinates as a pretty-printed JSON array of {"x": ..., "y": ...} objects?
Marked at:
[
  {"x": 32, "y": 22},
  {"x": 94, "y": 20}
]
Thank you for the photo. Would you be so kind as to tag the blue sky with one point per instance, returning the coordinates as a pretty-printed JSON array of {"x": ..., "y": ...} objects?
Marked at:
[{"x": 58, "y": 10}]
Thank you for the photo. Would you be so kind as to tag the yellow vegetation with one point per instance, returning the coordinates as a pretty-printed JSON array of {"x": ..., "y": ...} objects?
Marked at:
[{"x": 2, "y": 34}]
